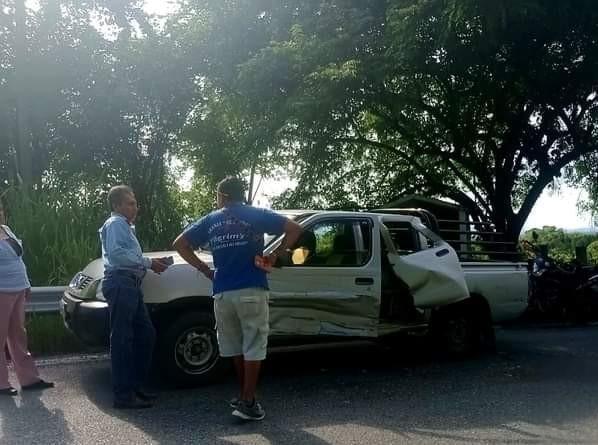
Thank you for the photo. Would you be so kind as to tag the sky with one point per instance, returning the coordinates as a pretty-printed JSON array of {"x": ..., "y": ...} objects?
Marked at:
[
  {"x": 159, "y": 7},
  {"x": 560, "y": 210}
]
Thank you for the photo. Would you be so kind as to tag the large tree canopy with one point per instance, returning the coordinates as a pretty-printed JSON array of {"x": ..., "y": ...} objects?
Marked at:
[
  {"x": 91, "y": 95},
  {"x": 484, "y": 102}
]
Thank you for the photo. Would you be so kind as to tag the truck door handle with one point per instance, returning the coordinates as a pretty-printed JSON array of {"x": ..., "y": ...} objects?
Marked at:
[
  {"x": 442, "y": 252},
  {"x": 364, "y": 281}
]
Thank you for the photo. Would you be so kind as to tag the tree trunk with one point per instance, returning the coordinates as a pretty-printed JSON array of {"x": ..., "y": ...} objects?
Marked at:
[{"x": 251, "y": 182}]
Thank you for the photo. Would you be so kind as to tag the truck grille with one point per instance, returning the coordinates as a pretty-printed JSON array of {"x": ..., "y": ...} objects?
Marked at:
[{"x": 80, "y": 281}]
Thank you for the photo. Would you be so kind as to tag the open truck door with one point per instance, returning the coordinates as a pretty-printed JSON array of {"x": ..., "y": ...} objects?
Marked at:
[{"x": 426, "y": 263}]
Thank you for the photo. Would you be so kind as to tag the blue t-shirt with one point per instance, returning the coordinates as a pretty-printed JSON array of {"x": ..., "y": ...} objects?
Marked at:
[{"x": 235, "y": 235}]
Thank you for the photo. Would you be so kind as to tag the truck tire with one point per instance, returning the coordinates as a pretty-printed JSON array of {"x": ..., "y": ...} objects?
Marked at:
[
  {"x": 188, "y": 350},
  {"x": 486, "y": 338},
  {"x": 454, "y": 333},
  {"x": 464, "y": 329}
]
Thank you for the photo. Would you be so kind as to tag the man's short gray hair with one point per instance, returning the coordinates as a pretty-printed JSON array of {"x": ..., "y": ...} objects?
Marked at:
[{"x": 117, "y": 194}]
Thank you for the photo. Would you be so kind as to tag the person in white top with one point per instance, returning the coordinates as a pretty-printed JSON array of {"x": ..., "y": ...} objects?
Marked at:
[{"x": 14, "y": 290}]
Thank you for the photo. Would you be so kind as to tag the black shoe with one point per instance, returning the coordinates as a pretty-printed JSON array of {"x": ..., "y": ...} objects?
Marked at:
[
  {"x": 246, "y": 411},
  {"x": 133, "y": 403},
  {"x": 40, "y": 384},
  {"x": 10, "y": 391},
  {"x": 146, "y": 396}
]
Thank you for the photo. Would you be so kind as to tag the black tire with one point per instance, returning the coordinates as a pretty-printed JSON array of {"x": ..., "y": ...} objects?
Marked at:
[
  {"x": 464, "y": 329},
  {"x": 454, "y": 333},
  {"x": 188, "y": 350},
  {"x": 486, "y": 341}
]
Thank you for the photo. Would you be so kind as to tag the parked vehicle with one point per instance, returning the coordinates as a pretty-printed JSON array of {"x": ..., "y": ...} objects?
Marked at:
[
  {"x": 351, "y": 275},
  {"x": 564, "y": 291}
]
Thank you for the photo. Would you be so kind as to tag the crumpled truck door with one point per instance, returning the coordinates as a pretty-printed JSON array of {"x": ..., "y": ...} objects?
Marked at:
[{"x": 433, "y": 274}]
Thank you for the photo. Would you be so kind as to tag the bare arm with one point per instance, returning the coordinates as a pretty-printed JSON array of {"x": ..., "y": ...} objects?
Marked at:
[{"x": 186, "y": 252}]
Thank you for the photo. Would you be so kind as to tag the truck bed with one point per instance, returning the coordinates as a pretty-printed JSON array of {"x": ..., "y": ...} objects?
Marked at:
[{"x": 488, "y": 279}]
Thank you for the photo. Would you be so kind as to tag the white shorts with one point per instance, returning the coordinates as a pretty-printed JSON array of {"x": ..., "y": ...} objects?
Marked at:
[{"x": 242, "y": 323}]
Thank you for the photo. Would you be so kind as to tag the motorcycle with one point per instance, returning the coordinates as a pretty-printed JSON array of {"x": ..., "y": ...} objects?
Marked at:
[{"x": 565, "y": 291}]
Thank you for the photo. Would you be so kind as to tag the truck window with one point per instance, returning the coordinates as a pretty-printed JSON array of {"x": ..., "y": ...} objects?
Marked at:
[
  {"x": 428, "y": 239},
  {"x": 404, "y": 237},
  {"x": 332, "y": 243},
  {"x": 297, "y": 218}
]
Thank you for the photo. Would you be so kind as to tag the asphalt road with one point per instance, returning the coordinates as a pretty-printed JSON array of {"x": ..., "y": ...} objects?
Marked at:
[{"x": 541, "y": 387}]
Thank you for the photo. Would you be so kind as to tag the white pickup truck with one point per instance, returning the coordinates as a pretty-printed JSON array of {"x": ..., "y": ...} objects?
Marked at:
[{"x": 351, "y": 275}]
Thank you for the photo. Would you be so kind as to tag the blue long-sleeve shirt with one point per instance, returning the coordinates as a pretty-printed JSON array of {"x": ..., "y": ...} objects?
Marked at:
[{"x": 120, "y": 248}]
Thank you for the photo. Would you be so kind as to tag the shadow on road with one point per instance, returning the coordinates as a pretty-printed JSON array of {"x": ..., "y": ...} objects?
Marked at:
[
  {"x": 27, "y": 420},
  {"x": 531, "y": 389}
]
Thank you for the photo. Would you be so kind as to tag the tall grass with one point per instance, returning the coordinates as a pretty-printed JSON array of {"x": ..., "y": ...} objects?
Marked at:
[
  {"x": 59, "y": 234},
  {"x": 59, "y": 228}
]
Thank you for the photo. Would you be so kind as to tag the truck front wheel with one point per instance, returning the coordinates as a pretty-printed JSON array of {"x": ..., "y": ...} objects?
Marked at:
[{"x": 188, "y": 350}]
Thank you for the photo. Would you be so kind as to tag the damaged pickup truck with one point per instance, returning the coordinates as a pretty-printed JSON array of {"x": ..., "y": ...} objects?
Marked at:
[{"x": 351, "y": 275}]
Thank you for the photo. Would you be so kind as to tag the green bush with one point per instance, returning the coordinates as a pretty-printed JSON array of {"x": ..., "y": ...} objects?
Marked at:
[{"x": 593, "y": 252}]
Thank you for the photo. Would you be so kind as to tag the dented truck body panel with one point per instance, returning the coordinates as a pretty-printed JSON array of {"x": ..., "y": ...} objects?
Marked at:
[
  {"x": 328, "y": 299},
  {"x": 326, "y": 303},
  {"x": 346, "y": 301},
  {"x": 434, "y": 276},
  {"x": 430, "y": 267}
]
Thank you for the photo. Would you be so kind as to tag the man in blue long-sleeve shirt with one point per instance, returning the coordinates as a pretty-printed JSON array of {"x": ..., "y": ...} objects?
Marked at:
[{"x": 132, "y": 334}]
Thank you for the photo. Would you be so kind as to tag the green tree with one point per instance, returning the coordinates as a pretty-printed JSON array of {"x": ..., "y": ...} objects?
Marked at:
[
  {"x": 99, "y": 109},
  {"x": 50, "y": 55},
  {"x": 561, "y": 244},
  {"x": 228, "y": 131},
  {"x": 593, "y": 252},
  {"x": 482, "y": 102}
]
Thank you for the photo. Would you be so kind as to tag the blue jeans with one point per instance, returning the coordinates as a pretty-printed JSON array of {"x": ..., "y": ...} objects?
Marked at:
[{"x": 132, "y": 334}]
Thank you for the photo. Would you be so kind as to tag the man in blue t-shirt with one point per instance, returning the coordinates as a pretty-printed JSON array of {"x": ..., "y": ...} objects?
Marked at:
[{"x": 235, "y": 235}]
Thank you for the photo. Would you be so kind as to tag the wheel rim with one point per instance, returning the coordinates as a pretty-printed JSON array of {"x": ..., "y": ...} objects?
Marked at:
[{"x": 196, "y": 350}]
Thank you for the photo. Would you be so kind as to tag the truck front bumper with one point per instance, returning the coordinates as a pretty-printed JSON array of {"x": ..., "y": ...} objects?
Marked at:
[{"x": 88, "y": 319}]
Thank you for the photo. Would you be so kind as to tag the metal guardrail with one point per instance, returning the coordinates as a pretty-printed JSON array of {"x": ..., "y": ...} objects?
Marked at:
[{"x": 44, "y": 299}]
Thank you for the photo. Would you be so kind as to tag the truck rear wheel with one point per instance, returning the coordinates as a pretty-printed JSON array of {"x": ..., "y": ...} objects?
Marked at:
[
  {"x": 188, "y": 350},
  {"x": 464, "y": 329},
  {"x": 455, "y": 334}
]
